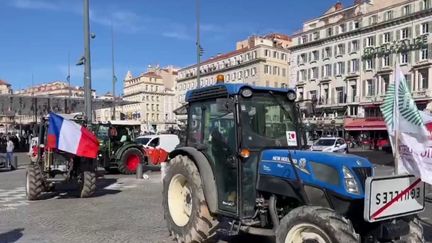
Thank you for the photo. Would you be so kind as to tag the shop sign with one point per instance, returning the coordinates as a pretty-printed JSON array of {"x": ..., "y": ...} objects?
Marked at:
[{"x": 396, "y": 47}]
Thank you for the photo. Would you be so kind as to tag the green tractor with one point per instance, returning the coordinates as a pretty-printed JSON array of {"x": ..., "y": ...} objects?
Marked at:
[{"x": 117, "y": 148}]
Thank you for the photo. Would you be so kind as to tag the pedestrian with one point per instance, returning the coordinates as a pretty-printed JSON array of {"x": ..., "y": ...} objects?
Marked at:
[{"x": 9, "y": 151}]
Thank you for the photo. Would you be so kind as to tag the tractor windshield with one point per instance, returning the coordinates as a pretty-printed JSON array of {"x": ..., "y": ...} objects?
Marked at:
[
  {"x": 268, "y": 120},
  {"x": 102, "y": 132}
]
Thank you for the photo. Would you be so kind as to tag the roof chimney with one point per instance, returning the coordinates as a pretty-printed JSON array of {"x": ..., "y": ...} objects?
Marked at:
[{"x": 338, "y": 6}]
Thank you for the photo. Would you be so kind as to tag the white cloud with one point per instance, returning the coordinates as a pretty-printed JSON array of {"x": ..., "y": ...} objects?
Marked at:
[{"x": 35, "y": 4}]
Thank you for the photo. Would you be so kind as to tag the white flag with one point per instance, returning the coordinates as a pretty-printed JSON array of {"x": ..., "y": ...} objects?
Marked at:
[{"x": 405, "y": 124}]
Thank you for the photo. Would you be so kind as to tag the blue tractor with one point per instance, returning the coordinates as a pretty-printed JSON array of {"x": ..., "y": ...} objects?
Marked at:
[{"x": 244, "y": 168}]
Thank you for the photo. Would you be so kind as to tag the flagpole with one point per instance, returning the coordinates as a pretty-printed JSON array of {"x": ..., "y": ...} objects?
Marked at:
[{"x": 397, "y": 117}]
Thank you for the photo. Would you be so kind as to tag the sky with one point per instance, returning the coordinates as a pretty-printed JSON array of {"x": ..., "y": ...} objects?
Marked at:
[{"x": 38, "y": 37}]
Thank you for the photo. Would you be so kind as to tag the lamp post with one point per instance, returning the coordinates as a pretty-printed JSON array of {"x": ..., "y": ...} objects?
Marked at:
[
  {"x": 114, "y": 78},
  {"x": 198, "y": 44},
  {"x": 87, "y": 63}
]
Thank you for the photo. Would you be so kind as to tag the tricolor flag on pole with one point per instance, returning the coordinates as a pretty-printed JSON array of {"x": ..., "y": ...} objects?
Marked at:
[
  {"x": 70, "y": 137},
  {"x": 407, "y": 132}
]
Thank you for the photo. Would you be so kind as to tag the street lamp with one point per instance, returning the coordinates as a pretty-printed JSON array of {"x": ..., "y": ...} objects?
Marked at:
[{"x": 87, "y": 62}]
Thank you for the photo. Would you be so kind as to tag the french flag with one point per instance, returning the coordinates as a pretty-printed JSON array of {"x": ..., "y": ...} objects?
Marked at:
[{"x": 70, "y": 137}]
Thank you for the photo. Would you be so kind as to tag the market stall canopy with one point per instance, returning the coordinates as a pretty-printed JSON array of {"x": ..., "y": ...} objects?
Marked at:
[{"x": 364, "y": 124}]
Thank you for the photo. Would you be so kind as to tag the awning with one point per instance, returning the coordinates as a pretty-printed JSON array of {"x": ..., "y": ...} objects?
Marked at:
[{"x": 365, "y": 125}]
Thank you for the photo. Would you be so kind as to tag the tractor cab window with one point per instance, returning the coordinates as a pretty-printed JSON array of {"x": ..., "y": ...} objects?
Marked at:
[
  {"x": 154, "y": 143},
  {"x": 102, "y": 132},
  {"x": 267, "y": 120}
]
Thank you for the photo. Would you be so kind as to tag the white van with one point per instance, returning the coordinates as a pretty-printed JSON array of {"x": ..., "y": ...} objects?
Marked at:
[{"x": 167, "y": 142}]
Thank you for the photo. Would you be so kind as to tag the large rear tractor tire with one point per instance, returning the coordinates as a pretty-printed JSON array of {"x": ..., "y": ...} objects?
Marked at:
[
  {"x": 88, "y": 184},
  {"x": 315, "y": 224},
  {"x": 415, "y": 234},
  {"x": 130, "y": 160},
  {"x": 34, "y": 182},
  {"x": 185, "y": 209}
]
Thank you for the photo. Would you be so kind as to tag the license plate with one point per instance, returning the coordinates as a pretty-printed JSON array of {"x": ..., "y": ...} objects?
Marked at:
[{"x": 394, "y": 196}]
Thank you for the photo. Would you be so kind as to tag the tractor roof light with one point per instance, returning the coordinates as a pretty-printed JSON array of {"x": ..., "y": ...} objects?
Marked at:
[
  {"x": 220, "y": 79},
  {"x": 246, "y": 93},
  {"x": 244, "y": 153},
  {"x": 292, "y": 96}
]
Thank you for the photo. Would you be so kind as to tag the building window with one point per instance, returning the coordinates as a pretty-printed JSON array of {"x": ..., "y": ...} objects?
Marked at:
[
  {"x": 315, "y": 35},
  {"x": 327, "y": 70},
  {"x": 340, "y": 68},
  {"x": 266, "y": 53},
  {"x": 354, "y": 65},
  {"x": 304, "y": 39},
  {"x": 253, "y": 71},
  {"x": 424, "y": 54},
  {"x": 424, "y": 78},
  {"x": 284, "y": 72},
  {"x": 386, "y": 60},
  {"x": 370, "y": 85},
  {"x": 283, "y": 56},
  {"x": 405, "y": 33},
  {"x": 388, "y": 15},
  {"x": 424, "y": 28},
  {"x": 369, "y": 64},
  {"x": 406, "y": 10},
  {"x": 327, "y": 52},
  {"x": 266, "y": 69},
  {"x": 404, "y": 58},
  {"x": 356, "y": 25},
  {"x": 315, "y": 73},
  {"x": 354, "y": 46},
  {"x": 370, "y": 41},
  {"x": 303, "y": 58},
  {"x": 386, "y": 37},
  {"x": 302, "y": 75},
  {"x": 425, "y": 4},
  {"x": 329, "y": 32},
  {"x": 315, "y": 55},
  {"x": 275, "y": 54},
  {"x": 373, "y": 19},
  {"x": 340, "y": 49},
  {"x": 408, "y": 81},
  {"x": 247, "y": 72},
  {"x": 342, "y": 28}
]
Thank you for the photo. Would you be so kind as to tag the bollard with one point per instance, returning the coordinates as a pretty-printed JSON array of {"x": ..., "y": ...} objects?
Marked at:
[
  {"x": 14, "y": 164},
  {"x": 163, "y": 170},
  {"x": 139, "y": 171}
]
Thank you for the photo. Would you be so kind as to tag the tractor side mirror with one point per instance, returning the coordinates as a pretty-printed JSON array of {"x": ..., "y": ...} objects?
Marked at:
[{"x": 225, "y": 105}]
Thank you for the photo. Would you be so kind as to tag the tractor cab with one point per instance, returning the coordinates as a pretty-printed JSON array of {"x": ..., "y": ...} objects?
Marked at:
[{"x": 232, "y": 124}]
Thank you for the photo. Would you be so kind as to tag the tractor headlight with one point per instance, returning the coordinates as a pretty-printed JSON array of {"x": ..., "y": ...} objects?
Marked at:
[
  {"x": 292, "y": 96},
  {"x": 350, "y": 182},
  {"x": 246, "y": 93}
]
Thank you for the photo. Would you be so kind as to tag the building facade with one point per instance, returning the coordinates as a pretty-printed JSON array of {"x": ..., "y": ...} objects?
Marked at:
[
  {"x": 154, "y": 105},
  {"x": 344, "y": 61},
  {"x": 5, "y": 88},
  {"x": 261, "y": 61},
  {"x": 56, "y": 88}
]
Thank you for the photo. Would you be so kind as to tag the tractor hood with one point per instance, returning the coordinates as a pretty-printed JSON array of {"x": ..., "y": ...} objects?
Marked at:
[{"x": 319, "y": 169}]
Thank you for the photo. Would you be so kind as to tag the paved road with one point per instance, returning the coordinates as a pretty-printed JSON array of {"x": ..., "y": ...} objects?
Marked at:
[{"x": 123, "y": 210}]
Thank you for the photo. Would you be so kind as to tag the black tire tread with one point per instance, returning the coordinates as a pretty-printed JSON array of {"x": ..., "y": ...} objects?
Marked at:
[
  {"x": 36, "y": 182},
  {"x": 88, "y": 186},
  {"x": 338, "y": 228},
  {"x": 415, "y": 234},
  {"x": 202, "y": 228}
]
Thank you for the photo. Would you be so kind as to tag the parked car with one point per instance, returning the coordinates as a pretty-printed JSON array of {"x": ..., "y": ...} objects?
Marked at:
[
  {"x": 157, "y": 147},
  {"x": 330, "y": 144}
]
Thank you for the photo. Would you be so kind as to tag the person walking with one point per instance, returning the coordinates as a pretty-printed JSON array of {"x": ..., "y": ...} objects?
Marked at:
[{"x": 9, "y": 151}]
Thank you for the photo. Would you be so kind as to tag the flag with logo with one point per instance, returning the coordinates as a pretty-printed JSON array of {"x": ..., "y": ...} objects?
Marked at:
[{"x": 408, "y": 134}]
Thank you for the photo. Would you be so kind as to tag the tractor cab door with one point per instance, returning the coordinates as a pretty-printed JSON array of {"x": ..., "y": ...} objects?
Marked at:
[{"x": 212, "y": 131}]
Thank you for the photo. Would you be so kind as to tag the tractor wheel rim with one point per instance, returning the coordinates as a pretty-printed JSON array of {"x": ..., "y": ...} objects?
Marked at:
[
  {"x": 307, "y": 233},
  {"x": 179, "y": 200},
  {"x": 132, "y": 162}
]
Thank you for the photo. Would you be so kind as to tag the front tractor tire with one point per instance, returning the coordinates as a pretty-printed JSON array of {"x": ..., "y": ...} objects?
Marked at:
[
  {"x": 34, "y": 182},
  {"x": 315, "y": 224},
  {"x": 87, "y": 184},
  {"x": 415, "y": 234},
  {"x": 185, "y": 209},
  {"x": 130, "y": 161}
]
